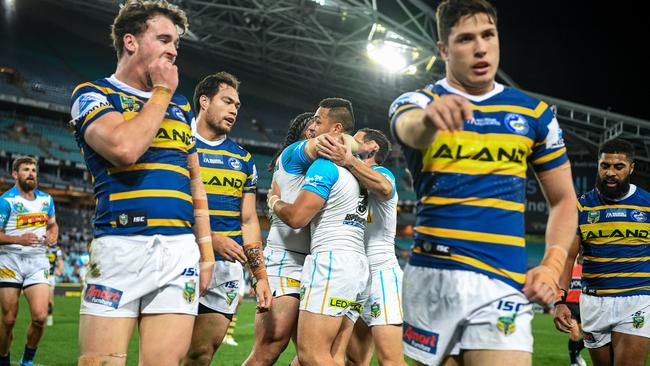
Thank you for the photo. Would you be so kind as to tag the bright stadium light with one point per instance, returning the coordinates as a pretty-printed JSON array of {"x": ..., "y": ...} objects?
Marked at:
[{"x": 391, "y": 51}]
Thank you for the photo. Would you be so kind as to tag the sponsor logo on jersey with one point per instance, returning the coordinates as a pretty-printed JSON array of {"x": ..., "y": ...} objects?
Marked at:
[
  {"x": 419, "y": 99},
  {"x": 615, "y": 212},
  {"x": 103, "y": 295},
  {"x": 19, "y": 207},
  {"x": 31, "y": 220},
  {"x": 355, "y": 220},
  {"x": 420, "y": 338},
  {"x": 638, "y": 319},
  {"x": 212, "y": 158},
  {"x": 554, "y": 138},
  {"x": 225, "y": 181},
  {"x": 234, "y": 163},
  {"x": 516, "y": 123},
  {"x": 176, "y": 112},
  {"x": 292, "y": 283},
  {"x": 7, "y": 273},
  {"x": 174, "y": 135},
  {"x": 616, "y": 233},
  {"x": 506, "y": 324},
  {"x": 486, "y": 153},
  {"x": 481, "y": 122},
  {"x": 593, "y": 217},
  {"x": 129, "y": 219},
  {"x": 129, "y": 104},
  {"x": 189, "y": 291},
  {"x": 230, "y": 297},
  {"x": 639, "y": 216},
  {"x": 231, "y": 284},
  {"x": 375, "y": 310},
  {"x": 336, "y": 302},
  {"x": 190, "y": 272}
]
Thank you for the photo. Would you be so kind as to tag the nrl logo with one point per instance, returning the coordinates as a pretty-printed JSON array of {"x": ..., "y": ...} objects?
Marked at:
[
  {"x": 189, "y": 292},
  {"x": 375, "y": 311},
  {"x": 124, "y": 219}
]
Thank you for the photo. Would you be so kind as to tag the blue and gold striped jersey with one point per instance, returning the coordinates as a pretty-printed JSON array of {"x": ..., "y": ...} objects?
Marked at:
[
  {"x": 53, "y": 252},
  {"x": 153, "y": 195},
  {"x": 470, "y": 184},
  {"x": 228, "y": 172},
  {"x": 615, "y": 239}
]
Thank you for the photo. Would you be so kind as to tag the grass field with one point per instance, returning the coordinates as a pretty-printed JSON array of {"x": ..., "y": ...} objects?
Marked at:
[{"x": 59, "y": 345}]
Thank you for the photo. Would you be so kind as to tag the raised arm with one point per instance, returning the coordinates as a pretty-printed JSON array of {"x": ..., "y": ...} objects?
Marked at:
[{"x": 121, "y": 141}]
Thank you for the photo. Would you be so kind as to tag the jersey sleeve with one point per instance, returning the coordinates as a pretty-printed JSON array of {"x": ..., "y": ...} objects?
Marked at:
[
  {"x": 251, "y": 180},
  {"x": 406, "y": 102},
  {"x": 548, "y": 151},
  {"x": 294, "y": 159},
  {"x": 89, "y": 103},
  {"x": 189, "y": 117},
  {"x": 5, "y": 212},
  {"x": 320, "y": 178},
  {"x": 50, "y": 211},
  {"x": 388, "y": 175}
]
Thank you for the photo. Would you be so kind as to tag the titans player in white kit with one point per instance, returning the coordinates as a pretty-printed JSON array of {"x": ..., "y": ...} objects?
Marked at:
[
  {"x": 27, "y": 225},
  {"x": 284, "y": 254},
  {"x": 382, "y": 312},
  {"x": 336, "y": 272}
]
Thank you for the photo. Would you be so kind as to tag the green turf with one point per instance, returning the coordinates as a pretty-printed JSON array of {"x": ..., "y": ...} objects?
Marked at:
[{"x": 59, "y": 345}]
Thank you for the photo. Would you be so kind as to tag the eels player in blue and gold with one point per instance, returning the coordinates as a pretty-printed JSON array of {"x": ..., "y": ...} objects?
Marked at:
[
  {"x": 27, "y": 225},
  {"x": 613, "y": 232},
  {"x": 134, "y": 133},
  {"x": 55, "y": 257},
  {"x": 468, "y": 142},
  {"x": 230, "y": 180}
]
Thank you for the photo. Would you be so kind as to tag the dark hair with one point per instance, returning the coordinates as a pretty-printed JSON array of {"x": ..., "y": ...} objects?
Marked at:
[
  {"x": 28, "y": 160},
  {"x": 341, "y": 111},
  {"x": 449, "y": 13},
  {"x": 617, "y": 146},
  {"x": 381, "y": 140},
  {"x": 296, "y": 128},
  {"x": 209, "y": 87},
  {"x": 132, "y": 18}
]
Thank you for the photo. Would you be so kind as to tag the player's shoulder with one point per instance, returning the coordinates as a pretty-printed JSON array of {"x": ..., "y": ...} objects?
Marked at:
[
  {"x": 589, "y": 198},
  {"x": 642, "y": 196},
  {"x": 41, "y": 194},
  {"x": 518, "y": 98},
  {"x": 181, "y": 101},
  {"x": 100, "y": 85},
  {"x": 236, "y": 148},
  {"x": 10, "y": 193}
]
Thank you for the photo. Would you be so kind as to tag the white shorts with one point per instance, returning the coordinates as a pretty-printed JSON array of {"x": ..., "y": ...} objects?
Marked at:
[
  {"x": 334, "y": 283},
  {"x": 284, "y": 269},
  {"x": 384, "y": 305},
  {"x": 602, "y": 315},
  {"x": 447, "y": 311},
  {"x": 132, "y": 275},
  {"x": 223, "y": 294},
  {"x": 23, "y": 270}
]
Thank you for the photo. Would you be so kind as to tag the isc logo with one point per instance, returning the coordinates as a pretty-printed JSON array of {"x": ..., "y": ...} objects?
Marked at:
[
  {"x": 509, "y": 305},
  {"x": 190, "y": 272}
]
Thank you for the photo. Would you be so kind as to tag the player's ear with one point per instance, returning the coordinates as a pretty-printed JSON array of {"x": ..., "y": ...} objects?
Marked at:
[
  {"x": 631, "y": 168},
  {"x": 204, "y": 101},
  {"x": 442, "y": 48},
  {"x": 130, "y": 43}
]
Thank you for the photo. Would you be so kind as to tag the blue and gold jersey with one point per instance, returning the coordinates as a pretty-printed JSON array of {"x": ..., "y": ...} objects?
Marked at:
[
  {"x": 53, "y": 252},
  {"x": 616, "y": 243},
  {"x": 470, "y": 184},
  {"x": 153, "y": 195},
  {"x": 228, "y": 172}
]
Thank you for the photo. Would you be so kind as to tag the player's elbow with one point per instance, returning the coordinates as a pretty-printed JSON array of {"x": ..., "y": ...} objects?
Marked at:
[
  {"x": 122, "y": 156},
  {"x": 296, "y": 222}
]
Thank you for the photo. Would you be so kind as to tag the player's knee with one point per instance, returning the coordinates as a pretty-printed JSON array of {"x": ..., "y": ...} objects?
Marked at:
[
  {"x": 39, "y": 319},
  {"x": 307, "y": 356},
  {"x": 201, "y": 355},
  {"x": 9, "y": 320}
]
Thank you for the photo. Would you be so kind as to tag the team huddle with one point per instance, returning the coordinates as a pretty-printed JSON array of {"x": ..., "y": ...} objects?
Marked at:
[{"x": 176, "y": 224}]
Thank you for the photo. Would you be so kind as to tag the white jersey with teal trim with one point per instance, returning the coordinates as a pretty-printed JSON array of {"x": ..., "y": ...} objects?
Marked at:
[
  {"x": 382, "y": 222},
  {"x": 341, "y": 222},
  {"x": 19, "y": 216},
  {"x": 290, "y": 176}
]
